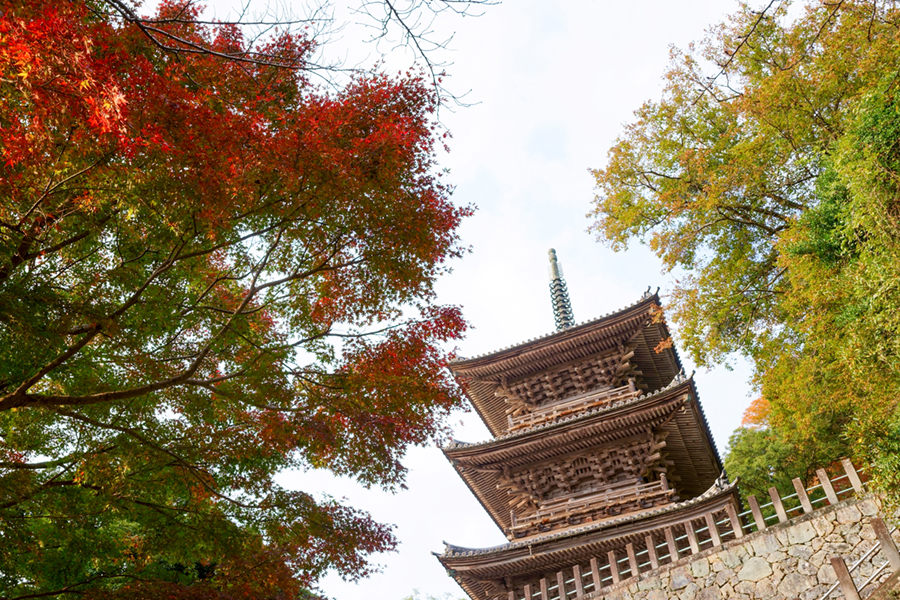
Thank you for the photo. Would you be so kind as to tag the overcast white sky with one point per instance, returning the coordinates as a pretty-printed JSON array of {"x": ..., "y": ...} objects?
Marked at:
[{"x": 554, "y": 82}]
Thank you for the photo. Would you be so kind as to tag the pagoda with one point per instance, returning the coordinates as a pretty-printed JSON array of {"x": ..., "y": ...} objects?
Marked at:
[{"x": 601, "y": 464}]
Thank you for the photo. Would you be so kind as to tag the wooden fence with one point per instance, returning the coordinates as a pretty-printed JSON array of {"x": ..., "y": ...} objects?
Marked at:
[{"x": 676, "y": 541}]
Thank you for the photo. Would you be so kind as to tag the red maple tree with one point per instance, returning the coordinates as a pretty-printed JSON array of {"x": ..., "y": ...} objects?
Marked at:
[{"x": 211, "y": 270}]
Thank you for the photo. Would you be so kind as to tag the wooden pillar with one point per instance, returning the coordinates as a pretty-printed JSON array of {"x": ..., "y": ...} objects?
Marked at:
[
  {"x": 528, "y": 593},
  {"x": 846, "y": 581},
  {"x": 757, "y": 513},
  {"x": 595, "y": 574},
  {"x": 692, "y": 537},
  {"x": 801, "y": 493},
  {"x": 736, "y": 526},
  {"x": 545, "y": 593},
  {"x": 511, "y": 595},
  {"x": 779, "y": 507},
  {"x": 632, "y": 560},
  {"x": 561, "y": 586},
  {"x": 713, "y": 529},
  {"x": 664, "y": 481},
  {"x": 651, "y": 552},
  {"x": 888, "y": 548},
  {"x": 853, "y": 476},
  {"x": 579, "y": 585},
  {"x": 673, "y": 547},
  {"x": 613, "y": 566},
  {"x": 826, "y": 485}
]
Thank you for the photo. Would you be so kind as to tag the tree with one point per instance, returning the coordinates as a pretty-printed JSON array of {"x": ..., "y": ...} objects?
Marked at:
[
  {"x": 211, "y": 270},
  {"x": 772, "y": 184}
]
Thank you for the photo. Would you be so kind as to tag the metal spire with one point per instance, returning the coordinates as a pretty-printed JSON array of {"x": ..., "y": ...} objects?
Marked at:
[{"x": 559, "y": 295}]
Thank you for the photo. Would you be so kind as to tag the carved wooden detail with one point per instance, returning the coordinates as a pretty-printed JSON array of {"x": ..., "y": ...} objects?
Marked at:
[
  {"x": 592, "y": 374},
  {"x": 589, "y": 485}
]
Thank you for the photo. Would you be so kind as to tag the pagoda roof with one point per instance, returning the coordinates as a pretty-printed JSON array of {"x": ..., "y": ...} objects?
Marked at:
[
  {"x": 632, "y": 325},
  {"x": 475, "y": 568},
  {"x": 716, "y": 490},
  {"x": 675, "y": 409}
]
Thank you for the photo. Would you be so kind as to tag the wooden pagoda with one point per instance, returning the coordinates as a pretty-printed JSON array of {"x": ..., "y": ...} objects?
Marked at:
[{"x": 600, "y": 454}]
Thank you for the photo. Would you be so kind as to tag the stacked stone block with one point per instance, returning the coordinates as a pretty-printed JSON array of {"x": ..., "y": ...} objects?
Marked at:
[{"x": 786, "y": 561}]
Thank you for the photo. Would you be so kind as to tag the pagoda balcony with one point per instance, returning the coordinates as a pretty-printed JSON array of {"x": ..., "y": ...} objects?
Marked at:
[
  {"x": 592, "y": 505},
  {"x": 559, "y": 409}
]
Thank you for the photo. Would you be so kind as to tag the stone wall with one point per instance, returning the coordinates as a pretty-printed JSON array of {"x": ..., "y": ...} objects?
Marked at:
[{"x": 786, "y": 561}]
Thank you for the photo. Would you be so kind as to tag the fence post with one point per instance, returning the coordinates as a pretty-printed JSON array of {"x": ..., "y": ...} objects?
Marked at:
[
  {"x": 561, "y": 586},
  {"x": 713, "y": 529},
  {"x": 579, "y": 585},
  {"x": 736, "y": 526},
  {"x": 651, "y": 552},
  {"x": 613, "y": 566},
  {"x": 779, "y": 507},
  {"x": 852, "y": 475},
  {"x": 843, "y": 575},
  {"x": 595, "y": 574},
  {"x": 692, "y": 537},
  {"x": 826, "y": 485},
  {"x": 632, "y": 560},
  {"x": 673, "y": 547},
  {"x": 801, "y": 494},
  {"x": 887, "y": 543},
  {"x": 757, "y": 513}
]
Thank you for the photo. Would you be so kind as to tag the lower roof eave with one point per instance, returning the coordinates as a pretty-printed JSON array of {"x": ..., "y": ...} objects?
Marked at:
[{"x": 543, "y": 548}]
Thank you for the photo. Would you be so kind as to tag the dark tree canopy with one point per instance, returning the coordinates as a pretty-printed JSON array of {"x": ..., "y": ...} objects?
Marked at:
[{"x": 211, "y": 270}]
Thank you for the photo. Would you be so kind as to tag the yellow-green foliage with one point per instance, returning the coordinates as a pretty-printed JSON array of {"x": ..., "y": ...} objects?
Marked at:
[{"x": 774, "y": 185}]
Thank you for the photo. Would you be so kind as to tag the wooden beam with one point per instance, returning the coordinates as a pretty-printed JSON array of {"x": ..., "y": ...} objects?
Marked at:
[
  {"x": 545, "y": 593},
  {"x": 757, "y": 513},
  {"x": 853, "y": 476},
  {"x": 779, "y": 507},
  {"x": 651, "y": 552},
  {"x": 595, "y": 574},
  {"x": 888, "y": 548},
  {"x": 713, "y": 529},
  {"x": 632, "y": 559},
  {"x": 561, "y": 586},
  {"x": 826, "y": 485},
  {"x": 801, "y": 494},
  {"x": 511, "y": 595},
  {"x": 736, "y": 526},
  {"x": 846, "y": 581},
  {"x": 528, "y": 593},
  {"x": 692, "y": 537},
  {"x": 579, "y": 585},
  {"x": 673, "y": 547},
  {"x": 613, "y": 566}
]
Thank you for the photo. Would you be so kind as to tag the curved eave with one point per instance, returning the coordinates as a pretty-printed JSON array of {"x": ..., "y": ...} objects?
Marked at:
[
  {"x": 633, "y": 326},
  {"x": 676, "y": 386},
  {"x": 673, "y": 409},
  {"x": 456, "y": 556},
  {"x": 476, "y": 364}
]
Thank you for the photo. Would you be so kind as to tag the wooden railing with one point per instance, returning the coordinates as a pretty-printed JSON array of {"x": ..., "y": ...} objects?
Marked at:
[
  {"x": 685, "y": 538},
  {"x": 845, "y": 575},
  {"x": 591, "y": 500},
  {"x": 563, "y": 408}
]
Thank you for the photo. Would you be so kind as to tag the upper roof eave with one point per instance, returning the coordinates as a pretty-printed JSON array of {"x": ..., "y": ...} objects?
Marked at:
[{"x": 463, "y": 363}]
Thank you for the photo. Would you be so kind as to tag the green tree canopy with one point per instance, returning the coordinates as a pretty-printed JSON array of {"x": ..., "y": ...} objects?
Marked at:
[{"x": 767, "y": 174}]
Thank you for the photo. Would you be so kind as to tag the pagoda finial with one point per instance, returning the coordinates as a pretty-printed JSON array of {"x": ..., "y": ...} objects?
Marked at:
[{"x": 559, "y": 295}]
